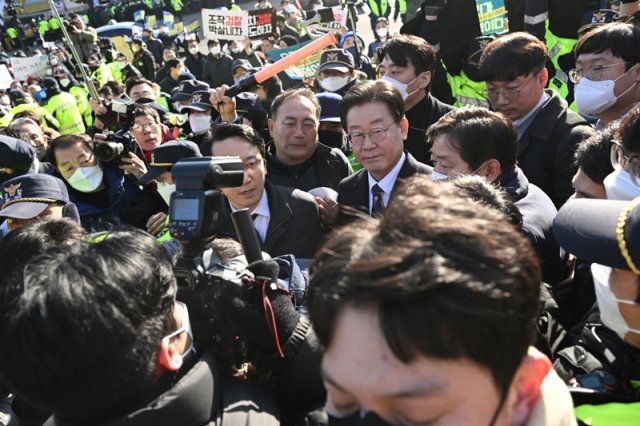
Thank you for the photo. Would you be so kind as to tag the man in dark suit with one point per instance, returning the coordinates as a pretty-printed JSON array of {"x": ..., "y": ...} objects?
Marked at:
[
  {"x": 286, "y": 220},
  {"x": 372, "y": 113}
]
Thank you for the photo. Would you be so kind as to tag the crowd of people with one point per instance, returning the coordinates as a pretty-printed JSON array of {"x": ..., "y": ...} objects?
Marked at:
[{"x": 449, "y": 221}]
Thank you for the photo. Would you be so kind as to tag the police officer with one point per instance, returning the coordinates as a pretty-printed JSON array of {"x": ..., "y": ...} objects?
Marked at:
[{"x": 64, "y": 107}]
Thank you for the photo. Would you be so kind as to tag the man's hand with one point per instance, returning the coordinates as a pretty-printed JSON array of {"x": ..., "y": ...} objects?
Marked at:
[
  {"x": 97, "y": 107},
  {"x": 328, "y": 210},
  {"x": 133, "y": 165},
  {"x": 225, "y": 105},
  {"x": 155, "y": 224}
]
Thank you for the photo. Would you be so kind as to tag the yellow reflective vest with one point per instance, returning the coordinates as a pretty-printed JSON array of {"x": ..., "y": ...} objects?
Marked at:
[{"x": 64, "y": 108}]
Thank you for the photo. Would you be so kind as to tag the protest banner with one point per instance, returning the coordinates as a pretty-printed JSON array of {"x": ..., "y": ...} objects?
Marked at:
[
  {"x": 138, "y": 15},
  {"x": 193, "y": 26},
  {"x": 150, "y": 21},
  {"x": 492, "y": 15},
  {"x": 303, "y": 69},
  {"x": 260, "y": 23},
  {"x": 34, "y": 66},
  {"x": 224, "y": 25},
  {"x": 331, "y": 18},
  {"x": 167, "y": 18}
]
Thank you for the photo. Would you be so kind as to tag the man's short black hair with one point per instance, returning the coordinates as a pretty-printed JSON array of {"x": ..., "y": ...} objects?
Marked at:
[
  {"x": 67, "y": 141},
  {"x": 623, "y": 39},
  {"x": 593, "y": 155},
  {"x": 82, "y": 326},
  {"x": 629, "y": 132},
  {"x": 371, "y": 91},
  {"x": 478, "y": 189},
  {"x": 224, "y": 131},
  {"x": 403, "y": 49},
  {"x": 451, "y": 281},
  {"x": 172, "y": 63},
  {"x": 478, "y": 135},
  {"x": 134, "y": 81},
  {"x": 511, "y": 56}
]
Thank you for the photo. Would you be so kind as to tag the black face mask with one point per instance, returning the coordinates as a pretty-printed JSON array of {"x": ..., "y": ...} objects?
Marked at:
[
  {"x": 331, "y": 139},
  {"x": 472, "y": 71}
]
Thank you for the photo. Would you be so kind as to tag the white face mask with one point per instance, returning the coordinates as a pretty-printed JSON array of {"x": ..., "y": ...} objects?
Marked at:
[
  {"x": 236, "y": 49},
  {"x": 382, "y": 32},
  {"x": 333, "y": 84},
  {"x": 64, "y": 82},
  {"x": 619, "y": 186},
  {"x": 54, "y": 62},
  {"x": 86, "y": 179},
  {"x": 608, "y": 302},
  {"x": 193, "y": 50},
  {"x": 594, "y": 97},
  {"x": 215, "y": 50},
  {"x": 402, "y": 87},
  {"x": 165, "y": 190},
  {"x": 438, "y": 176},
  {"x": 199, "y": 123}
]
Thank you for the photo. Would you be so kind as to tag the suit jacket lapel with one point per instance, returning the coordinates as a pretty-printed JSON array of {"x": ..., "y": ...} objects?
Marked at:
[{"x": 280, "y": 212}]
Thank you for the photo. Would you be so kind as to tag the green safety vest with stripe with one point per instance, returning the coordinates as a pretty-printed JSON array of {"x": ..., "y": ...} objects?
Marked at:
[
  {"x": 116, "y": 71},
  {"x": 615, "y": 413},
  {"x": 48, "y": 120},
  {"x": 102, "y": 74},
  {"x": 148, "y": 3},
  {"x": 467, "y": 92},
  {"x": 54, "y": 23},
  {"x": 43, "y": 27},
  {"x": 84, "y": 107},
  {"x": 557, "y": 47},
  {"x": 64, "y": 108},
  {"x": 12, "y": 33},
  {"x": 177, "y": 5},
  {"x": 354, "y": 163},
  {"x": 402, "y": 4},
  {"x": 379, "y": 11}
]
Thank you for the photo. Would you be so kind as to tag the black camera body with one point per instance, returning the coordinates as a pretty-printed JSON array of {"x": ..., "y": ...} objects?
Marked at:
[
  {"x": 193, "y": 220},
  {"x": 117, "y": 146}
]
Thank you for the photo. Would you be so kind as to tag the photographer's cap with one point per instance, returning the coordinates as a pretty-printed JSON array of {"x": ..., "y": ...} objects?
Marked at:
[
  {"x": 336, "y": 59},
  {"x": 329, "y": 106},
  {"x": 187, "y": 88},
  {"x": 200, "y": 101},
  {"x": 16, "y": 154},
  {"x": 26, "y": 196},
  {"x": 601, "y": 231},
  {"x": 166, "y": 155}
]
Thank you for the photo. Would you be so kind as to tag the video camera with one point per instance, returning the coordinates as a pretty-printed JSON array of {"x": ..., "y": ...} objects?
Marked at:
[
  {"x": 193, "y": 212},
  {"x": 117, "y": 145}
]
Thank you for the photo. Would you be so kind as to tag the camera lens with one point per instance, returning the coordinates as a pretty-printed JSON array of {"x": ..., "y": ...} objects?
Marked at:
[{"x": 109, "y": 151}]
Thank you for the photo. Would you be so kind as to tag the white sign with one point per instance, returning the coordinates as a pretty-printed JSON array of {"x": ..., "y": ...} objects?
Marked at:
[
  {"x": 224, "y": 25},
  {"x": 34, "y": 66},
  {"x": 5, "y": 77}
]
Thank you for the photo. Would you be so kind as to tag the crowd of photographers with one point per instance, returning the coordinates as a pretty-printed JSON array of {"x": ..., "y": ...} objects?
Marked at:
[{"x": 449, "y": 226}]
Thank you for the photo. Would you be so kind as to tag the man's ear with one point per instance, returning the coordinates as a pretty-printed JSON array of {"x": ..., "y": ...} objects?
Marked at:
[
  {"x": 425, "y": 79},
  {"x": 270, "y": 126},
  {"x": 404, "y": 127},
  {"x": 169, "y": 357},
  {"x": 526, "y": 386},
  {"x": 543, "y": 77},
  {"x": 636, "y": 72},
  {"x": 492, "y": 171}
]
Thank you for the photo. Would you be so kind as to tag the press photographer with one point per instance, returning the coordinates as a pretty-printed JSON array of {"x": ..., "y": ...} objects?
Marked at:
[{"x": 105, "y": 192}]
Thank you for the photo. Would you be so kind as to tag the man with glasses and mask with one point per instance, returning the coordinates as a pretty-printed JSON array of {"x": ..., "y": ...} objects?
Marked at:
[
  {"x": 607, "y": 72},
  {"x": 427, "y": 317},
  {"x": 408, "y": 62},
  {"x": 476, "y": 141},
  {"x": 372, "y": 113},
  {"x": 548, "y": 132}
]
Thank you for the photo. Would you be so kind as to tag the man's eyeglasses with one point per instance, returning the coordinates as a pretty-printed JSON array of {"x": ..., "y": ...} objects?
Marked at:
[
  {"x": 594, "y": 73},
  {"x": 509, "y": 94},
  {"x": 629, "y": 162},
  {"x": 376, "y": 135},
  {"x": 143, "y": 127}
]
